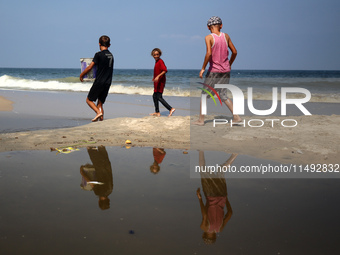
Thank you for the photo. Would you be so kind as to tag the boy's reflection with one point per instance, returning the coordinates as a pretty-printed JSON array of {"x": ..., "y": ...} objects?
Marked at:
[
  {"x": 158, "y": 155},
  {"x": 98, "y": 176},
  {"x": 215, "y": 191}
]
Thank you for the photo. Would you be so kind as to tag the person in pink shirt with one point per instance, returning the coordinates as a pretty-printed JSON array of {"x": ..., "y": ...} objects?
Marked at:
[
  {"x": 214, "y": 185},
  {"x": 217, "y": 44}
]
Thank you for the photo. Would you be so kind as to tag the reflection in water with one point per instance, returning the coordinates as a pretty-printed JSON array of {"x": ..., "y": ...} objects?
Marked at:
[
  {"x": 98, "y": 176},
  {"x": 41, "y": 204},
  {"x": 215, "y": 191},
  {"x": 158, "y": 155}
]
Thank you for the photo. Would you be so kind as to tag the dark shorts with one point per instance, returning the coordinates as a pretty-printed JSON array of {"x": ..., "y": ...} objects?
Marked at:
[
  {"x": 217, "y": 78},
  {"x": 99, "y": 92}
]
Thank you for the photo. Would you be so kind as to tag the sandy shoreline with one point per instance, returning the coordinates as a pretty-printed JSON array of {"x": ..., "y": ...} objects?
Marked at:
[
  {"x": 147, "y": 131},
  {"x": 5, "y": 104},
  {"x": 313, "y": 140},
  {"x": 310, "y": 142}
]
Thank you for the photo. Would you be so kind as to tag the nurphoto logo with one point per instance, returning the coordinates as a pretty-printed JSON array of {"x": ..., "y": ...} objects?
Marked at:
[{"x": 238, "y": 103}]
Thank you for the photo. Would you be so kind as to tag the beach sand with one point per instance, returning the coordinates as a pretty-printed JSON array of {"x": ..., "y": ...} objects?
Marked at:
[
  {"x": 5, "y": 104},
  {"x": 314, "y": 140}
]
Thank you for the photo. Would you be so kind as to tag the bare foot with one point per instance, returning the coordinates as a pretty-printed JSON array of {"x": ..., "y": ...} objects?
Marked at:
[
  {"x": 172, "y": 111},
  {"x": 97, "y": 117},
  {"x": 198, "y": 123},
  {"x": 237, "y": 119},
  {"x": 157, "y": 114},
  {"x": 236, "y": 122}
]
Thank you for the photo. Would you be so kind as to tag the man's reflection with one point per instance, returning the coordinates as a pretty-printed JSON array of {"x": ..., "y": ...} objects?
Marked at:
[
  {"x": 215, "y": 191},
  {"x": 98, "y": 176},
  {"x": 158, "y": 155}
]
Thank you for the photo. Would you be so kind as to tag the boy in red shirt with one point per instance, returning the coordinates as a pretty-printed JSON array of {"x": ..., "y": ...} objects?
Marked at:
[{"x": 159, "y": 80}]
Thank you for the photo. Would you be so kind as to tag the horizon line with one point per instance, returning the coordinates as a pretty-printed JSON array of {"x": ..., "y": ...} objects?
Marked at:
[{"x": 238, "y": 69}]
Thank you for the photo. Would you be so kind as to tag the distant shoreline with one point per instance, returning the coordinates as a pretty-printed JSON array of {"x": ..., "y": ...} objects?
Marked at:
[{"x": 187, "y": 69}]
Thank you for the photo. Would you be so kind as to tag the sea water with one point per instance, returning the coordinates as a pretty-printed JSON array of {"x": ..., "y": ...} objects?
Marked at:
[{"x": 324, "y": 85}]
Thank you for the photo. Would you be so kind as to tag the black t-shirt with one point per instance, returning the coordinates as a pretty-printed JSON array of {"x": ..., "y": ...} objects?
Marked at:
[{"x": 104, "y": 64}]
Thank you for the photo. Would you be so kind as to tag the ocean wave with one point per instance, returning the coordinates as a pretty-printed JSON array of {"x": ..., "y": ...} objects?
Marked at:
[
  {"x": 72, "y": 84},
  {"x": 9, "y": 82}
]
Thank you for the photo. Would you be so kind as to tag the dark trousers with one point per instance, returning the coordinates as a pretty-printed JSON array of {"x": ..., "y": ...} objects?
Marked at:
[{"x": 157, "y": 97}]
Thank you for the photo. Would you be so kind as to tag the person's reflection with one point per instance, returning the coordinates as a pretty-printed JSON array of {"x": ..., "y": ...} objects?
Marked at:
[
  {"x": 98, "y": 177},
  {"x": 215, "y": 191},
  {"x": 158, "y": 155}
]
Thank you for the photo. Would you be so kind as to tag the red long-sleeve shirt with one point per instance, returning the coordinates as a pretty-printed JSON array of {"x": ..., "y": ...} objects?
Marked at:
[{"x": 159, "y": 67}]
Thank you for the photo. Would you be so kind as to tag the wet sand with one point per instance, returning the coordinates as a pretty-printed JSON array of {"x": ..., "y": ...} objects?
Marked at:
[
  {"x": 313, "y": 140},
  {"x": 5, "y": 104}
]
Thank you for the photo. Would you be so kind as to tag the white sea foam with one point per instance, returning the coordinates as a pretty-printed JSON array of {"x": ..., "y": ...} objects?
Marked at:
[
  {"x": 8, "y": 82},
  {"x": 72, "y": 84},
  {"x": 12, "y": 83}
]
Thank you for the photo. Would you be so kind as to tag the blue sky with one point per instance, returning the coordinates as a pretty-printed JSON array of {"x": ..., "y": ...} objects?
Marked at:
[{"x": 268, "y": 34}]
